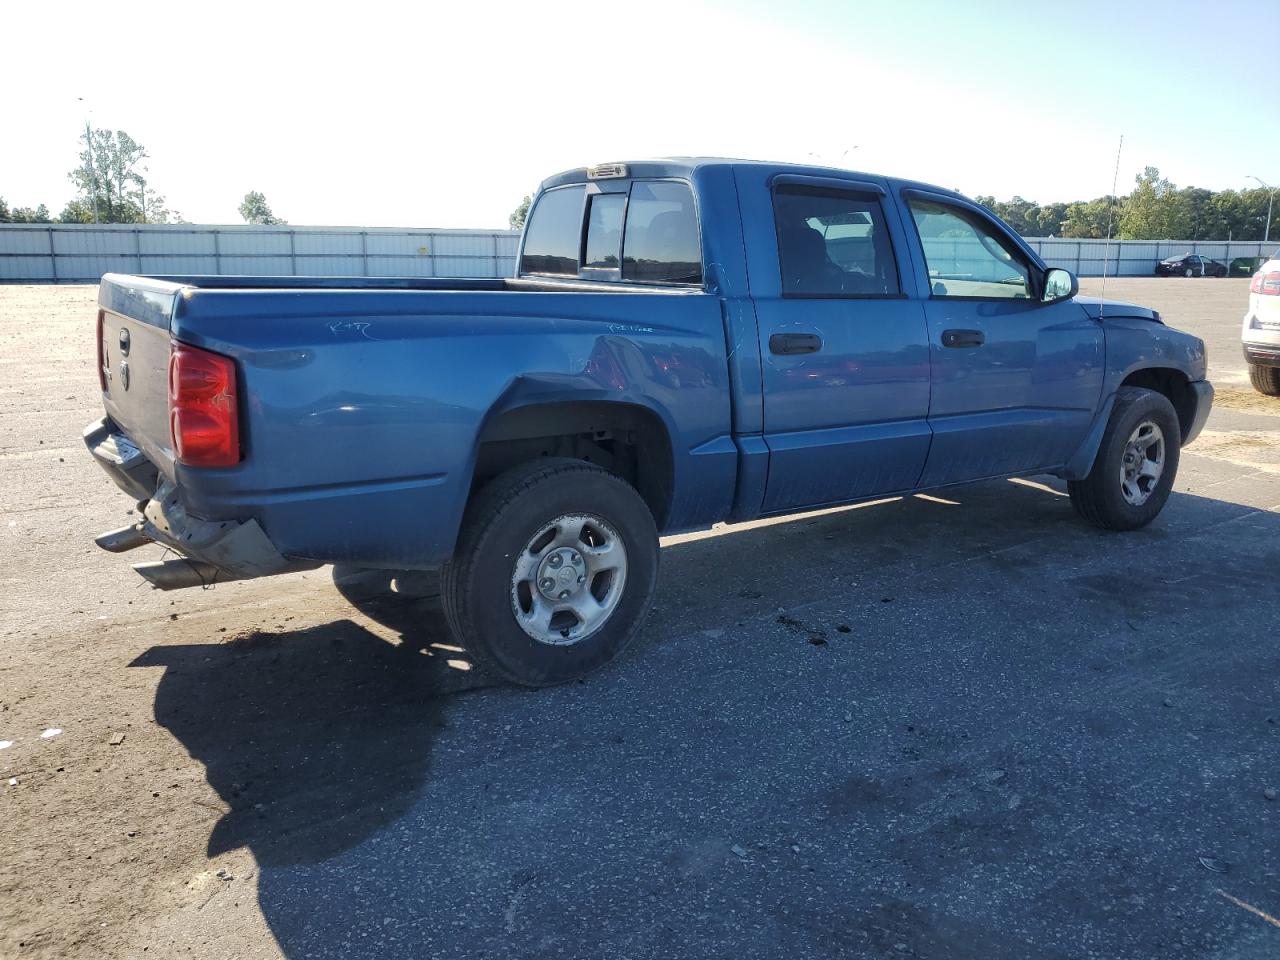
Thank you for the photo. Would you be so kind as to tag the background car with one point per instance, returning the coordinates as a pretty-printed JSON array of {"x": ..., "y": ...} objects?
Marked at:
[
  {"x": 1261, "y": 333},
  {"x": 1190, "y": 265}
]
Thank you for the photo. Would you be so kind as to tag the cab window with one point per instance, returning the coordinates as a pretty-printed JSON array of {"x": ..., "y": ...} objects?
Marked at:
[
  {"x": 660, "y": 242},
  {"x": 833, "y": 243},
  {"x": 604, "y": 231},
  {"x": 966, "y": 256},
  {"x": 553, "y": 236}
]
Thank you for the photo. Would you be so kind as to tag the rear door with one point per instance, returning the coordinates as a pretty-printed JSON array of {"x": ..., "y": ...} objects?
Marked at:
[
  {"x": 845, "y": 350},
  {"x": 1015, "y": 381}
]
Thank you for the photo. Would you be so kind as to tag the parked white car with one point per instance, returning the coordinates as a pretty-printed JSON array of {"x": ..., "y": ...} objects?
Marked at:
[{"x": 1261, "y": 333}]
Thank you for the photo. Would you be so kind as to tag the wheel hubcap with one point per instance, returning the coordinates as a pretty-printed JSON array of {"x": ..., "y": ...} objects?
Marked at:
[
  {"x": 1143, "y": 463},
  {"x": 568, "y": 579}
]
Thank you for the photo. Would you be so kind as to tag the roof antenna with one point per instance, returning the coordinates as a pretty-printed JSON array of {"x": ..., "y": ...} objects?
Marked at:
[{"x": 1106, "y": 256}]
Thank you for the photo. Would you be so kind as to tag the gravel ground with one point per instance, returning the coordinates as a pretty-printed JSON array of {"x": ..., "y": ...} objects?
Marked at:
[{"x": 959, "y": 727}]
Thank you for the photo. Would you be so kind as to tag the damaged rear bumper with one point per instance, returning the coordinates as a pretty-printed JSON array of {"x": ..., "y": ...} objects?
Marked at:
[{"x": 210, "y": 551}]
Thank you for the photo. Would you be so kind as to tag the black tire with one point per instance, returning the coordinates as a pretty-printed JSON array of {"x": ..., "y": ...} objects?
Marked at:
[
  {"x": 1099, "y": 497},
  {"x": 1265, "y": 379},
  {"x": 476, "y": 586}
]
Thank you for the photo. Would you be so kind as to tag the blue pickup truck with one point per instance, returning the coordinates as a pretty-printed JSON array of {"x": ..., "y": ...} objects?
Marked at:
[{"x": 686, "y": 341}]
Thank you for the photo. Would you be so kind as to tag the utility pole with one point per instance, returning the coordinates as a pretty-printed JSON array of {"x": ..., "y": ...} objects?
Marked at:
[
  {"x": 1271, "y": 199},
  {"x": 93, "y": 177}
]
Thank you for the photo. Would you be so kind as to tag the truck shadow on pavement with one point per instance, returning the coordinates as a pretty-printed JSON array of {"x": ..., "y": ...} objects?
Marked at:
[
  {"x": 314, "y": 738},
  {"x": 959, "y": 686}
]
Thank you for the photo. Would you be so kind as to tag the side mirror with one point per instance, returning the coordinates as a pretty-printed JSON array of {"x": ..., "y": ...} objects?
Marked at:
[{"x": 1059, "y": 285}]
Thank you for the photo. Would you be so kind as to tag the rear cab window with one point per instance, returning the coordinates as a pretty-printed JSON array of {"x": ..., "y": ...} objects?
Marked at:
[
  {"x": 642, "y": 232},
  {"x": 661, "y": 239},
  {"x": 555, "y": 227}
]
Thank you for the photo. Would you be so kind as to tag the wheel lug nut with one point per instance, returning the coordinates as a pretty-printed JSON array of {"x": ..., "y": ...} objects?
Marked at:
[
  {"x": 577, "y": 560},
  {"x": 555, "y": 560},
  {"x": 548, "y": 583},
  {"x": 582, "y": 579},
  {"x": 564, "y": 594}
]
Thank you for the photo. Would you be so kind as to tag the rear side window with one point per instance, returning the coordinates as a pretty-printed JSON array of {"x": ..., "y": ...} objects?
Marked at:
[
  {"x": 661, "y": 239},
  {"x": 552, "y": 239},
  {"x": 833, "y": 243}
]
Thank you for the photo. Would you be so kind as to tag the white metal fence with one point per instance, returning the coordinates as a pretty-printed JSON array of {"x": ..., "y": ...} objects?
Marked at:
[
  {"x": 1138, "y": 258},
  {"x": 76, "y": 253},
  {"x": 82, "y": 253}
]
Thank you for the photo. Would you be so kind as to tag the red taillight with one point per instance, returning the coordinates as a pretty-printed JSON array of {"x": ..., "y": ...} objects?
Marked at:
[
  {"x": 102, "y": 360},
  {"x": 1267, "y": 284},
  {"x": 203, "y": 413}
]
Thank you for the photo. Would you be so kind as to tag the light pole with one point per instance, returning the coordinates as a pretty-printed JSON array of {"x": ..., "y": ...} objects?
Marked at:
[
  {"x": 88, "y": 142},
  {"x": 1271, "y": 198}
]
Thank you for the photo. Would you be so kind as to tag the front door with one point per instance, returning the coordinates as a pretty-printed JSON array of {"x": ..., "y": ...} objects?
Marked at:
[
  {"x": 845, "y": 352},
  {"x": 1015, "y": 381}
]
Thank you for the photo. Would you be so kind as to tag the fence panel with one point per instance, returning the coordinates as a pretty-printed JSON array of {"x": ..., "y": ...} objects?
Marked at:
[
  {"x": 1138, "y": 258},
  {"x": 81, "y": 253}
]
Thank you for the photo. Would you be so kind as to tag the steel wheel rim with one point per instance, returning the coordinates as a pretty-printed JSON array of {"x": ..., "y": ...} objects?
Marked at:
[
  {"x": 568, "y": 579},
  {"x": 1142, "y": 464}
]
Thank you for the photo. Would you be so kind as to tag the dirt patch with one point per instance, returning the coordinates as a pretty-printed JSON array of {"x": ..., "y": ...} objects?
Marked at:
[{"x": 1247, "y": 401}]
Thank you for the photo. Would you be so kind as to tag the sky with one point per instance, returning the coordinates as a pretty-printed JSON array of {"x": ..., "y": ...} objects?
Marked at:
[{"x": 445, "y": 115}]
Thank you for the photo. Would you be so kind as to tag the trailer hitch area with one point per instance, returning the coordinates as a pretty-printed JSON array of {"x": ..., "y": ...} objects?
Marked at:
[{"x": 211, "y": 551}]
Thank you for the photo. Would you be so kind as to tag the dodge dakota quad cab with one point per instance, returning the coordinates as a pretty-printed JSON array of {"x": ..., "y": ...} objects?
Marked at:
[{"x": 685, "y": 341}]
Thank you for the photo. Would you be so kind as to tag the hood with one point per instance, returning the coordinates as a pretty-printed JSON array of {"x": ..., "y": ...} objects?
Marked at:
[{"x": 1101, "y": 309}]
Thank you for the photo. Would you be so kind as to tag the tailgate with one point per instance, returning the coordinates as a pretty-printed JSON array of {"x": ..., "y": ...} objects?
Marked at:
[{"x": 135, "y": 314}]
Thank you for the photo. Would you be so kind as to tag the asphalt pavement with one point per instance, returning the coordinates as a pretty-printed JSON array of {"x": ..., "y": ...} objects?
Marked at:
[{"x": 958, "y": 726}]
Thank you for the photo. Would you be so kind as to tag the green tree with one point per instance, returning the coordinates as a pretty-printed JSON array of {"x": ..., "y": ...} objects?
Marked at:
[
  {"x": 1242, "y": 214},
  {"x": 1027, "y": 217},
  {"x": 1022, "y": 215},
  {"x": 150, "y": 204},
  {"x": 1051, "y": 219},
  {"x": 254, "y": 209},
  {"x": 1154, "y": 210},
  {"x": 1089, "y": 219},
  {"x": 1196, "y": 208},
  {"x": 39, "y": 214},
  {"x": 520, "y": 213},
  {"x": 77, "y": 210},
  {"x": 111, "y": 164}
]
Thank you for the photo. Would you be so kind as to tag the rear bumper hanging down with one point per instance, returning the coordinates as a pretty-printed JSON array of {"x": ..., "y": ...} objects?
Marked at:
[{"x": 211, "y": 551}]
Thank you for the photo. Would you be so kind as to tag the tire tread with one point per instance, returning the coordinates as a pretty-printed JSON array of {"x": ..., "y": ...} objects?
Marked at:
[{"x": 1266, "y": 380}]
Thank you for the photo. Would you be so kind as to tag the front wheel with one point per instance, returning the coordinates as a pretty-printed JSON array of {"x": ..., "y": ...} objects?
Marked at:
[
  {"x": 1188, "y": 273},
  {"x": 554, "y": 571},
  {"x": 1136, "y": 463},
  {"x": 1265, "y": 379}
]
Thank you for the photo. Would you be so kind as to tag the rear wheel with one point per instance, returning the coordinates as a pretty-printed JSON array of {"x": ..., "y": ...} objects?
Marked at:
[
  {"x": 1136, "y": 463},
  {"x": 1265, "y": 379},
  {"x": 554, "y": 571}
]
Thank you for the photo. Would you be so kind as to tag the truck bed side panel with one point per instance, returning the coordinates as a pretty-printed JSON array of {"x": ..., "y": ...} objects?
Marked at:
[{"x": 362, "y": 409}]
